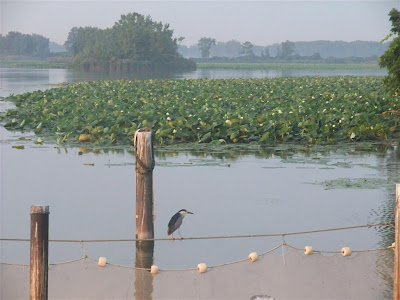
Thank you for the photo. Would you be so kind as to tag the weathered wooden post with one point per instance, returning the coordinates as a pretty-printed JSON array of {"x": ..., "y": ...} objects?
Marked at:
[
  {"x": 39, "y": 252},
  {"x": 396, "y": 283},
  {"x": 144, "y": 183},
  {"x": 143, "y": 142}
]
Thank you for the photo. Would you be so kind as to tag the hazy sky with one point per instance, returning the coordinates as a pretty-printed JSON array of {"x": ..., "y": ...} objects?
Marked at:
[{"x": 260, "y": 22}]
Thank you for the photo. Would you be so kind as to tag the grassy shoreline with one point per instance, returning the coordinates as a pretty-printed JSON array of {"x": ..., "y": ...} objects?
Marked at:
[
  {"x": 34, "y": 64},
  {"x": 288, "y": 66},
  {"x": 39, "y": 64}
]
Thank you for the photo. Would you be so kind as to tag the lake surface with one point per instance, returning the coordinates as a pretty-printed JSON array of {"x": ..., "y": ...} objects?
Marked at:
[
  {"x": 20, "y": 80},
  {"x": 239, "y": 191}
]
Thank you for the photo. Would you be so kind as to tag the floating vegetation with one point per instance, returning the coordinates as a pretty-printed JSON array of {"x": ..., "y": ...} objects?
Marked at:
[
  {"x": 356, "y": 183},
  {"x": 120, "y": 164},
  {"x": 306, "y": 110},
  {"x": 20, "y": 147},
  {"x": 204, "y": 162}
]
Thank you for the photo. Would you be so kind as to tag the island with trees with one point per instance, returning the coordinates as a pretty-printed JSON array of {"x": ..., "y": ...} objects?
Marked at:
[{"x": 134, "y": 43}]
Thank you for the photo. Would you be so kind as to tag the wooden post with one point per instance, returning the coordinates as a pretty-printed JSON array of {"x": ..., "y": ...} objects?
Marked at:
[
  {"x": 396, "y": 283},
  {"x": 39, "y": 252},
  {"x": 144, "y": 183}
]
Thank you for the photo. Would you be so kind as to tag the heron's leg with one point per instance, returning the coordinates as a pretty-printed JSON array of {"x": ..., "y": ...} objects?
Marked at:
[
  {"x": 179, "y": 234},
  {"x": 172, "y": 237}
]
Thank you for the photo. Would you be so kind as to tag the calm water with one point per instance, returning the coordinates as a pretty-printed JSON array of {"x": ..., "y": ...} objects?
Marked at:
[
  {"x": 20, "y": 80},
  {"x": 239, "y": 192}
]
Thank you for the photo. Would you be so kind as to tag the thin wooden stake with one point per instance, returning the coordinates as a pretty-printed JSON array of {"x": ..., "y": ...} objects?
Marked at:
[
  {"x": 144, "y": 183},
  {"x": 396, "y": 283},
  {"x": 39, "y": 253}
]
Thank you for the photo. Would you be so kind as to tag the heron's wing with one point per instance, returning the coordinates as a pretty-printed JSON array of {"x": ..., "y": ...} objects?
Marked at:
[{"x": 174, "y": 223}]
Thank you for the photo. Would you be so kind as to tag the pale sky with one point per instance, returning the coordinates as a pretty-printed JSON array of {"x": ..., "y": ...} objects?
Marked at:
[{"x": 260, "y": 22}]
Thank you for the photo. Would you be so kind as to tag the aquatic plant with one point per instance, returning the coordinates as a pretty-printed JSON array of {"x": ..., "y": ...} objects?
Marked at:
[{"x": 313, "y": 110}]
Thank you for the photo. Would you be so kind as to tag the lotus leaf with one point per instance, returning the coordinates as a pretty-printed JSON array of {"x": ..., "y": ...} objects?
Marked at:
[{"x": 314, "y": 110}]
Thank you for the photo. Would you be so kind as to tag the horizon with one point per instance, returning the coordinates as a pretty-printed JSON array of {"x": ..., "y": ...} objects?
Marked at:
[{"x": 194, "y": 45}]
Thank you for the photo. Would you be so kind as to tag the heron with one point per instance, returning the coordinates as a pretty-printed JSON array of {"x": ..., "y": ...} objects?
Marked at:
[{"x": 176, "y": 222}]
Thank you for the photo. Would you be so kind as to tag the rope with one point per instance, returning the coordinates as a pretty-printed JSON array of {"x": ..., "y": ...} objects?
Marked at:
[
  {"x": 282, "y": 235},
  {"x": 84, "y": 253},
  {"x": 266, "y": 252},
  {"x": 66, "y": 262},
  {"x": 282, "y": 244},
  {"x": 229, "y": 263},
  {"x": 283, "y": 252},
  {"x": 337, "y": 251},
  {"x": 240, "y": 260},
  {"x": 147, "y": 169},
  {"x": 209, "y": 237}
]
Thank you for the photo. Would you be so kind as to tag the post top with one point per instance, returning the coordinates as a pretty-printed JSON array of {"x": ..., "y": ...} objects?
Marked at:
[
  {"x": 40, "y": 209},
  {"x": 144, "y": 129}
]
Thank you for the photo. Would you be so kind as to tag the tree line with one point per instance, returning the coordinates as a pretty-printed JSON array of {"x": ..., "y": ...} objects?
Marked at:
[
  {"x": 134, "y": 39},
  {"x": 208, "y": 47},
  {"x": 16, "y": 43}
]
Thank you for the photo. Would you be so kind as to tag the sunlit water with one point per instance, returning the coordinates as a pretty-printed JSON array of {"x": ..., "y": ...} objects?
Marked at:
[{"x": 244, "y": 193}]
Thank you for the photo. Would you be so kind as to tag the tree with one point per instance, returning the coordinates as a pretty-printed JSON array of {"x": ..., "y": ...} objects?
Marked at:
[
  {"x": 287, "y": 49},
  {"x": 205, "y": 44},
  {"x": 265, "y": 53},
  {"x": 133, "y": 40},
  {"x": 180, "y": 40},
  {"x": 72, "y": 41},
  {"x": 134, "y": 36},
  {"x": 247, "y": 49},
  {"x": 16, "y": 43},
  {"x": 316, "y": 56},
  {"x": 83, "y": 40},
  {"x": 230, "y": 48},
  {"x": 391, "y": 58}
]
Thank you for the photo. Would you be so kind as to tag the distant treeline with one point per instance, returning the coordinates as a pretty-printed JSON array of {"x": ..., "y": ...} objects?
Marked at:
[
  {"x": 313, "y": 59},
  {"x": 137, "y": 43},
  {"x": 322, "y": 49},
  {"x": 134, "y": 43},
  {"x": 56, "y": 48},
  {"x": 16, "y": 43}
]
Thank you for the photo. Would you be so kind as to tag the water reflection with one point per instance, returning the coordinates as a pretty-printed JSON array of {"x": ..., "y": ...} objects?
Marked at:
[
  {"x": 20, "y": 80},
  {"x": 143, "y": 279}
]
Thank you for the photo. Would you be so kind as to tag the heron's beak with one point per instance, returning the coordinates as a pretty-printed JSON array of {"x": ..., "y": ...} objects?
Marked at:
[{"x": 190, "y": 213}]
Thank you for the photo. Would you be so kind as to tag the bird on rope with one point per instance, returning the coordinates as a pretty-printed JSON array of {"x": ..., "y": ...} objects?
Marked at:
[{"x": 176, "y": 222}]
